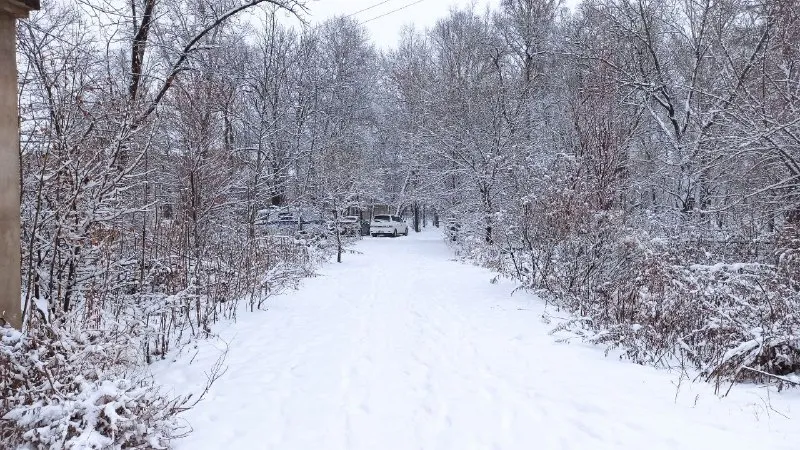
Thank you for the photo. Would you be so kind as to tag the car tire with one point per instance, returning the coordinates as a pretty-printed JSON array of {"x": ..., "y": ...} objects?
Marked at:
[
  {"x": 406, "y": 233},
  {"x": 395, "y": 233},
  {"x": 374, "y": 234}
]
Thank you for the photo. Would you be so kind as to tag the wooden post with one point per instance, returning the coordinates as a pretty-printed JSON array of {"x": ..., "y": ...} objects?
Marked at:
[{"x": 10, "y": 290}]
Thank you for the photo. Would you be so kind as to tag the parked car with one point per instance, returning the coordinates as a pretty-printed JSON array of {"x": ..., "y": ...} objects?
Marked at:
[
  {"x": 284, "y": 217},
  {"x": 349, "y": 225},
  {"x": 291, "y": 222},
  {"x": 388, "y": 226},
  {"x": 286, "y": 220}
]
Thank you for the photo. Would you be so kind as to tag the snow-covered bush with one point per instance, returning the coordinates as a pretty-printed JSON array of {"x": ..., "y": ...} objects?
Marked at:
[
  {"x": 647, "y": 296},
  {"x": 730, "y": 321},
  {"x": 721, "y": 304},
  {"x": 788, "y": 253},
  {"x": 63, "y": 390}
]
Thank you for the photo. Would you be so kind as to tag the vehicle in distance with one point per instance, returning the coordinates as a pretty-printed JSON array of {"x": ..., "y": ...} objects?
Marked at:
[
  {"x": 349, "y": 225},
  {"x": 387, "y": 226}
]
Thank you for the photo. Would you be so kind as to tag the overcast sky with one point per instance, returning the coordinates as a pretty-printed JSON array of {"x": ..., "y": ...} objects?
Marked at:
[{"x": 385, "y": 30}]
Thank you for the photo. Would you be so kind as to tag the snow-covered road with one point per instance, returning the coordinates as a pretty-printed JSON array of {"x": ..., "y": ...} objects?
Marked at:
[{"x": 401, "y": 347}]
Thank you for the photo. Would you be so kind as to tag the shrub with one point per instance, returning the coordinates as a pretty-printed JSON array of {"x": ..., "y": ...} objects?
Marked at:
[
  {"x": 74, "y": 391},
  {"x": 736, "y": 322},
  {"x": 723, "y": 305}
]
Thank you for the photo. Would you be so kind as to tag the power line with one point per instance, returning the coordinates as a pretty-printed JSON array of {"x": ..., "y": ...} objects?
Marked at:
[
  {"x": 392, "y": 12},
  {"x": 368, "y": 8}
]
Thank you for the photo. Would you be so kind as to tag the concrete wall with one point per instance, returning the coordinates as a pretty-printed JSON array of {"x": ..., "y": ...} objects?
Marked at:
[{"x": 9, "y": 176}]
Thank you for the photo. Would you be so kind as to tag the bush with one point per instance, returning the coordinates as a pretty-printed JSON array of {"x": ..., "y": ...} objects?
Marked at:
[
  {"x": 73, "y": 391},
  {"x": 726, "y": 306},
  {"x": 736, "y": 322}
]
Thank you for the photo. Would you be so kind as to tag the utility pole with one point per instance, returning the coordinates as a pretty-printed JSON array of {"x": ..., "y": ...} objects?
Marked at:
[{"x": 10, "y": 290}]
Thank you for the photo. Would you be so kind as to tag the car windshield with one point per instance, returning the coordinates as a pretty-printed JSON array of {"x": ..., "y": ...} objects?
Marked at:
[{"x": 382, "y": 219}]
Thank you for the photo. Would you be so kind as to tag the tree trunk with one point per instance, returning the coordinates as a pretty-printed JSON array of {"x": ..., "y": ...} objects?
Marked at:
[{"x": 416, "y": 217}]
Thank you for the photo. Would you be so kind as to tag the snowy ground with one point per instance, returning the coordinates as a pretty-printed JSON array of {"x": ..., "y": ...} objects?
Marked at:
[{"x": 401, "y": 347}]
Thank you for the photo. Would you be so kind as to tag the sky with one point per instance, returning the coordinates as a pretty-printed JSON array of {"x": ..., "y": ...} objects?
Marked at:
[{"x": 385, "y": 30}]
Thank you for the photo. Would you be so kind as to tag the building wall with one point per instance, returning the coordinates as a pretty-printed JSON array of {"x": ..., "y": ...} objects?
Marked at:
[{"x": 9, "y": 176}]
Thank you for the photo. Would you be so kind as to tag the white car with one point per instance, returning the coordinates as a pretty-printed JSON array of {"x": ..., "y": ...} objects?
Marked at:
[{"x": 388, "y": 226}]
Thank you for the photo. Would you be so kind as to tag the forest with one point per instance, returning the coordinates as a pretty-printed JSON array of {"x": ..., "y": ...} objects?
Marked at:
[{"x": 634, "y": 162}]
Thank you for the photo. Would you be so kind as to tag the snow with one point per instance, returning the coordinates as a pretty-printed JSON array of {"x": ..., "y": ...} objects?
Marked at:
[
  {"x": 722, "y": 267},
  {"x": 402, "y": 347}
]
